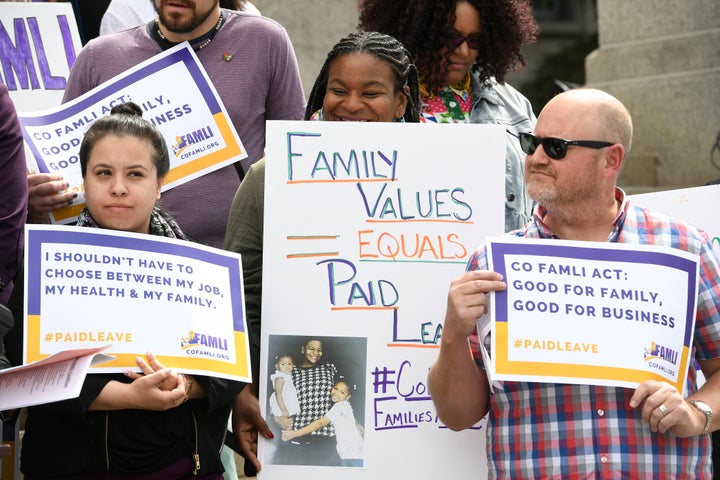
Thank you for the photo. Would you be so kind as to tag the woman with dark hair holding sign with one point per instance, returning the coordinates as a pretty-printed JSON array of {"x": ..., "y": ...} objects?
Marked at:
[{"x": 157, "y": 424}]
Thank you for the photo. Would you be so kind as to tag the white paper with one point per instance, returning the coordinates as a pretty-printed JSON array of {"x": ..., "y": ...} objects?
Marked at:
[{"x": 57, "y": 377}]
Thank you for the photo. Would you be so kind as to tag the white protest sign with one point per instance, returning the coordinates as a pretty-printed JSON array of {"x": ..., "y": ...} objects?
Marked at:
[
  {"x": 366, "y": 224},
  {"x": 177, "y": 96},
  {"x": 565, "y": 302},
  {"x": 140, "y": 293},
  {"x": 38, "y": 46},
  {"x": 694, "y": 205}
]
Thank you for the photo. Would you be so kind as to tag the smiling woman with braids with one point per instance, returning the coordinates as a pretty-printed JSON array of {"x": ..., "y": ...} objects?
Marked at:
[
  {"x": 367, "y": 76},
  {"x": 380, "y": 58},
  {"x": 463, "y": 49}
]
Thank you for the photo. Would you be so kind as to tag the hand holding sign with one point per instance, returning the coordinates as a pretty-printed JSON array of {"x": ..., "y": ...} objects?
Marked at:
[
  {"x": 468, "y": 300},
  {"x": 664, "y": 409},
  {"x": 566, "y": 301},
  {"x": 47, "y": 192}
]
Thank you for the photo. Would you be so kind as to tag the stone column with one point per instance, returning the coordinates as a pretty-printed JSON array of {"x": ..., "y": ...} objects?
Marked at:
[
  {"x": 314, "y": 27},
  {"x": 661, "y": 58}
]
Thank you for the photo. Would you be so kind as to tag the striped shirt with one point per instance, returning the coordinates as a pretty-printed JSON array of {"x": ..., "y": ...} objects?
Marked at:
[{"x": 544, "y": 430}]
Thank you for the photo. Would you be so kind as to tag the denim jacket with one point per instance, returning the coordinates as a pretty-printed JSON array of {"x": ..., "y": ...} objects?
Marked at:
[{"x": 503, "y": 105}]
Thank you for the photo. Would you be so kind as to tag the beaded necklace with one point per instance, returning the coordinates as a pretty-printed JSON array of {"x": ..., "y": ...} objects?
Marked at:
[{"x": 210, "y": 35}]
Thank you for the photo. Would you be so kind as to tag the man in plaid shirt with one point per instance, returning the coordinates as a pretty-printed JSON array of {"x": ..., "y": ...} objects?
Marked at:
[{"x": 547, "y": 430}]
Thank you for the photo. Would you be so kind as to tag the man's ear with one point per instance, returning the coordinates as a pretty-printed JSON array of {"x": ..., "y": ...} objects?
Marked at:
[{"x": 614, "y": 159}]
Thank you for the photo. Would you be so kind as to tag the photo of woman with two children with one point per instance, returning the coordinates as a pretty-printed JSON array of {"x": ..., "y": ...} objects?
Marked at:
[{"x": 316, "y": 398}]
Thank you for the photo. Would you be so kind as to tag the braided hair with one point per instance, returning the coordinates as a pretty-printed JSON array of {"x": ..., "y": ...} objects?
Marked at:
[
  {"x": 426, "y": 26},
  {"x": 383, "y": 47},
  {"x": 125, "y": 120}
]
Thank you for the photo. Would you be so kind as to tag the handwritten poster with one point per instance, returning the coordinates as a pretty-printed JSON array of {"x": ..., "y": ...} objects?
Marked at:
[
  {"x": 176, "y": 96},
  {"x": 565, "y": 302},
  {"x": 366, "y": 224},
  {"x": 38, "y": 46},
  {"x": 182, "y": 301}
]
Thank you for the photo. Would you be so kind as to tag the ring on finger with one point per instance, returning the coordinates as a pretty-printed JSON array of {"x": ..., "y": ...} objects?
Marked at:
[{"x": 663, "y": 409}]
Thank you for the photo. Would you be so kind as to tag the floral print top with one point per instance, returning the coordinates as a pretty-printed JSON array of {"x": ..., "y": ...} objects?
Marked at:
[{"x": 451, "y": 105}]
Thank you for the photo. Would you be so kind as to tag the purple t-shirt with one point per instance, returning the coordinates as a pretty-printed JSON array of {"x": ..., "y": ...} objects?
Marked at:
[
  {"x": 14, "y": 187},
  {"x": 260, "y": 82}
]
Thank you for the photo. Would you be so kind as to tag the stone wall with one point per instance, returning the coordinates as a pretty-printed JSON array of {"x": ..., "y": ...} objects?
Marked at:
[
  {"x": 314, "y": 27},
  {"x": 662, "y": 59}
]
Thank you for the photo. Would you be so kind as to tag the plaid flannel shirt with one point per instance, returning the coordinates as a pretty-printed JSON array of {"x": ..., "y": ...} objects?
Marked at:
[{"x": 545, "y": 430}]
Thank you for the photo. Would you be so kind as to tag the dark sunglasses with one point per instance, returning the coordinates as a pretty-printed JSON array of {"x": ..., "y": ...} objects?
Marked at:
[
  {"x": 474, "y": 41},
  {"x": 555, "y": 148}
]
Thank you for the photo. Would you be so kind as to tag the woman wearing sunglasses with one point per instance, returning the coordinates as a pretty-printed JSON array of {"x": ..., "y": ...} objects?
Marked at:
[{"x": 463, "y": 49}]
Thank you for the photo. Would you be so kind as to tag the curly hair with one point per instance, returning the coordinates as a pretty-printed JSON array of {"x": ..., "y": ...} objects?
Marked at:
[
  {"x": 383, "y": 47},
  {"x": 426, "y": 26}
]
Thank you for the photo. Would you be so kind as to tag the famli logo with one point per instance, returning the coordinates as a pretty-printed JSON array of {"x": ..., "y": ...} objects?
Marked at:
[
  {"x": 183, "y": 142},
  {"x": 662, "y": 359},
  {"x": 196, "y": 339},
  {"x": 659, "y": 352}
]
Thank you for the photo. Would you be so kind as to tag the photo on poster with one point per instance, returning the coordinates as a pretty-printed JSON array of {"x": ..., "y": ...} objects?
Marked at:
[{"x": 316, "y": 400}]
